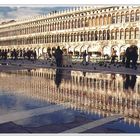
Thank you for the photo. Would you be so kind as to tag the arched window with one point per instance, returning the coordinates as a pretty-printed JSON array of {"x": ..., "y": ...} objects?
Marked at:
[
  {"x": 112, "y": 34},
  {"x": 49, "y": 39},
  {"x": 79, "y": 23},
  {"x": 117, "y": 35},
  {"x": 86, "y": 22},
  {"x": 93, "y": 21},
  {"x": 137, "y": 33},
  {"x": 71, "y": 40},
  {"x": 132, "y": 35},
  {"x": 127, "y": 16},
  {"x": 100, "y": 35},
  {"x": 104, "y": 35},
  {"x": 105, "y": 20},
  {"x": 72, "y": 24},
  {"x": 97, "y": 21},
  {"x": 74, "y": 37},
  {"x": 92, "y": 36},
  {"x": 64, "y": 25},
  {"x": 137, "y": 18},
  {"x": 63, "y": 38},
  {"x": 89, "y": 36},
  {"x": 75, "y": 24},
  {"x": 68, "y": 24},
  {"x": 122, "y": 34},
  {"x": 122, "y": 17},
  {"x": 85, "y": 36},
  {"x": 109, "y": 21},
  {"x": 82, "y": 22},
  {"x": 118, "y": 18},
  {"x": 78, "y": 37},
  {"x": 113, "y": 18},
  {"x": 108, "y": 34},
  {"x": 101, "y": 20},
  {"x": 127, "y": 33},
  {"x": 90, "y": 22},
  {"x": 96, "y": 35},
  {"x": 81, "y": 37},
  {"x": 132, "y": 16},
  {"x": 66, "y": 38}
]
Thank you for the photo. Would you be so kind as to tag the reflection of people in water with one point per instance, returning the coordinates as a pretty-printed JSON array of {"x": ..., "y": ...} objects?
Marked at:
[
  {"x": 84, "y": 73},
  {"x": 129, "y": 81},
  {"x": 58, "y": 77},
  {"x": 113, "y": 83}
]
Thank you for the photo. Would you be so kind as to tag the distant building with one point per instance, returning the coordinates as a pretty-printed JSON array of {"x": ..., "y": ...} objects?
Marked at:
[{"x": 96, "y": 30}]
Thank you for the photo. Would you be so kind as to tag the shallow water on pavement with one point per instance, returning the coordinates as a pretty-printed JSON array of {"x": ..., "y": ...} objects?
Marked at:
[{"x": 90, "y": 97}]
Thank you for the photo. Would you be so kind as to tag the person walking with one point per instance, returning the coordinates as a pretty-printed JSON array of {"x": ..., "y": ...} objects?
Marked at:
[
  {"x": 123, "y": 57},
  {"x": 113, "y": 55},
  {"x": 134, "y": 55},
  {"x": 58, "y": 56},
  {"x": 128, "y": 57},
  {"x": 84, "y": 57}
]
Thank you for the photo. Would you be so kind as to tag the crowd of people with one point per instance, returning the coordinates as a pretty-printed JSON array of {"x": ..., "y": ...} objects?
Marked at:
[
  {"x": 18, "y": 54},
  {"x": 129, "y": 57}
]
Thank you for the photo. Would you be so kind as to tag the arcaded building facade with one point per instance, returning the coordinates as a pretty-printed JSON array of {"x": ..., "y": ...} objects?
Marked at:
[{"x": 75, "y": 30}]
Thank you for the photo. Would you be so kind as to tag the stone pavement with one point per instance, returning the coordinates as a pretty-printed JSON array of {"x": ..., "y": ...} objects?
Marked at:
[{"x": 92, "y": 67}]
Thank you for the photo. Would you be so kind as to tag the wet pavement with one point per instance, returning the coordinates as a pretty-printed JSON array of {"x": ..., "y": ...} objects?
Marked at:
[{"x": 67, "y": 101}]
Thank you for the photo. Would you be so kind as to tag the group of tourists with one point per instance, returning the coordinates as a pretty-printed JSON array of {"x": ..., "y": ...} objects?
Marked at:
[
  {"x": 18, "y": 54},
  {"x": 129, "y": 57}
]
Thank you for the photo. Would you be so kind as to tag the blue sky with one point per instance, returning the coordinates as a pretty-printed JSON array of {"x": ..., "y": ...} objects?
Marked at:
[{"x": 14, "y": 12}]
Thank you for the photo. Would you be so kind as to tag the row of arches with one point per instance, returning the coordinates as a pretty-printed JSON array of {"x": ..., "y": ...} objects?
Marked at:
[
  {"x": 114, "y": 34},
  {"x": 75, "y": 50},
  {"x": 90, "y": 21}
]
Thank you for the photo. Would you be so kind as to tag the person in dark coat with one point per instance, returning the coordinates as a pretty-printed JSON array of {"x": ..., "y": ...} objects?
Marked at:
[
  {"x": 128, "y": 57},
  {"x": 134, "y": 57},
  {"x": 84, "y": 58},
  {"x": 58, "y": 56}
]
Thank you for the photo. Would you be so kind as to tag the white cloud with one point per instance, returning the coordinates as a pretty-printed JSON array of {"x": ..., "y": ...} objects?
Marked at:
[
  {"x": 18, "y": 12},
  {"x": 22, "y": 13}
]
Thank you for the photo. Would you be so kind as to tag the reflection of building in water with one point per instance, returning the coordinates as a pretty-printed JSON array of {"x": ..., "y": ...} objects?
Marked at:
[
  {"x": 129, "y": 81},
  {"x": 94, "y": 29},
  {"x": 91, "y": 93}
]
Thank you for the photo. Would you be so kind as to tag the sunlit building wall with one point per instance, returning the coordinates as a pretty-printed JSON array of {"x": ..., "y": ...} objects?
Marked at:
[{"x": 75, "y": 30}]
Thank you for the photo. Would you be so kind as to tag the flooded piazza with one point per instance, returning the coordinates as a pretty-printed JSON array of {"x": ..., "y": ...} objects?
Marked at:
[
  {"x": 61, "y": 101},
  {"x": 71, "y": 69}
]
